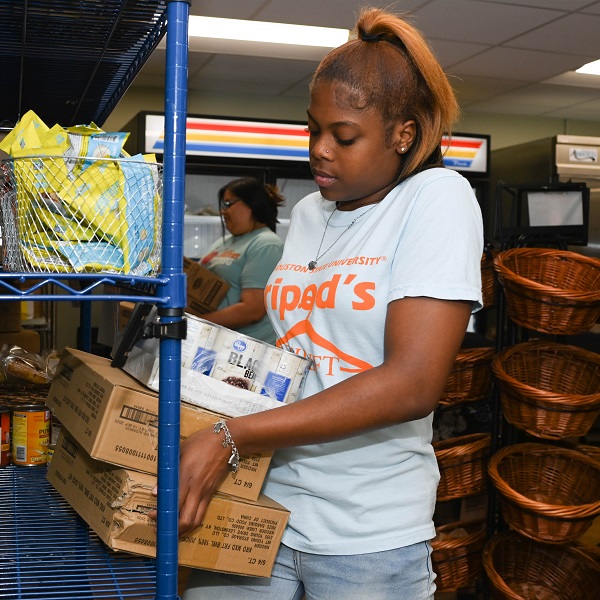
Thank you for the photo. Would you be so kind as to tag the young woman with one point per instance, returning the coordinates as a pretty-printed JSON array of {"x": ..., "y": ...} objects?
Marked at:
[
  {"x": 246, "y": 257},
  {"x": 379, "y": 276}
]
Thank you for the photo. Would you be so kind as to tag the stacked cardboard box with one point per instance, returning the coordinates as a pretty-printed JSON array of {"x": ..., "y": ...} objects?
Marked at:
[
  {"x": 105, "y": 465},
  {"x": 205, "y": 290}
]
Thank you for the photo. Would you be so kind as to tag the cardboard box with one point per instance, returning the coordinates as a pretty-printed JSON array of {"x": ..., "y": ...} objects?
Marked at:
[
  {"x": 11, "y": 317},
  {"x": 205, "y": 290},
  {"x": 25, "y": 338},
  {"x": 125, "y": 311},
  {"x": 115, "y": 419},
  {"x": 236, "y": 536}
]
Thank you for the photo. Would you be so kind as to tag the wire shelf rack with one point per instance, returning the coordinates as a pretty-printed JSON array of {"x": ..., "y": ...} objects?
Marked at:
[{"x": 49, "y": 553}]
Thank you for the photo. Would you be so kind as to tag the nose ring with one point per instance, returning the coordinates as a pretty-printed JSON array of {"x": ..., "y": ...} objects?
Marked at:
[{"x": 326, "y": 151}]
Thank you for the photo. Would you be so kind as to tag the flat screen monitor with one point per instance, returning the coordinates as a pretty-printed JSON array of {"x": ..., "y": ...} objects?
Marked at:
[{"x": 553, "y": 215}]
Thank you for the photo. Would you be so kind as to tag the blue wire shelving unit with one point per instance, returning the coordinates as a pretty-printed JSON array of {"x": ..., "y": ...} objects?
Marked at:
[{"x": 97, "y": 47}]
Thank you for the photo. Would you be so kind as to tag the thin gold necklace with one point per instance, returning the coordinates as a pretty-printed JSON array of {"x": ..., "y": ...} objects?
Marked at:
[{"x": 312, "y": 265}]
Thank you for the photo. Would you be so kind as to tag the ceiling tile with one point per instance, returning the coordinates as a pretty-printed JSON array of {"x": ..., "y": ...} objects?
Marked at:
[
  {"x": 566, "y": 5},
  {"x": 331, "y": 13},
  {"x": 512, "y": 63},
  {"x": 592, "y": 9},
  {"x": 540, "y": 96},
  {"x": 450, "y": 52},
  {"x": 497, "y": 53},
  {"x": 231, "y": 9},
  {"x": 574, "y": 79},
  {"x": 587, "y": 111},
  {"x": 476, "y": 21},
  {"x": 274, "y": 75},
  {"x": 573, "y": 34},
  {"x": 475, "y": 89}
]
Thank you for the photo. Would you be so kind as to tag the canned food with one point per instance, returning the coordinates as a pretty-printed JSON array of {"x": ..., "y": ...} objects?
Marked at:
[
  {"x": 4, "y": 436},
  {"x": 55, "y": 426},
  {"x": 283, "y": 374},
  {"x": 30, "y": 435},
  {"x": 238, "y": 360},
  {"x": 50, "y": 452},
  {"x": 198, "y": 352}
]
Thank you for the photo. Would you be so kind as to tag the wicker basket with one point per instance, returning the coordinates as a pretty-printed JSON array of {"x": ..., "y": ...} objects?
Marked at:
[
  {"x": 470, "y": 378},
  {"x": 551, "y": 291},
  {"x": 547, "y": 389},
  {"x": 489, "y": 280},
  {"x": 548, "y": 493},
  {"x": 592, "y": 551},
  {"x": 14, "y": 395},
  {"x": 522, "y": 569},
  {"x": 457, "y": 559},
  {"x": 589, "y": 450},
  {"x": 462, "y": 464}
]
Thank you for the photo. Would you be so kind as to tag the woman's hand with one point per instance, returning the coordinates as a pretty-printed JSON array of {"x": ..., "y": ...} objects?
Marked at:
[{"x": 202, "y": 467}]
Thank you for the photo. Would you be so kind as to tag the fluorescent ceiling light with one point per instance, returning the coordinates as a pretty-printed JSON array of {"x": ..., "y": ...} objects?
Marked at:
[
  {"x": 263, "y": 32},
  {"x": 592, "y": 68}
]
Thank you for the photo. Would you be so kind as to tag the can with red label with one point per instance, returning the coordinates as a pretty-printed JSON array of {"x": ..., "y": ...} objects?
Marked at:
[
  {"x": 30, "y": 435},
  {"x": 4, "y": 436}
]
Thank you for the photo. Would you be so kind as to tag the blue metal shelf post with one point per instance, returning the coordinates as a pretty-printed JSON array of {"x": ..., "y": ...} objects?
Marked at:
[{"x": 172, "y": 267}]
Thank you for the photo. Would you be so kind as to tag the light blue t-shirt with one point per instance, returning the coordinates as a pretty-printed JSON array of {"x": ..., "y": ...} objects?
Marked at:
[
  {"x": 375, "y": 491},
  {"x": 246, "y": 261}
]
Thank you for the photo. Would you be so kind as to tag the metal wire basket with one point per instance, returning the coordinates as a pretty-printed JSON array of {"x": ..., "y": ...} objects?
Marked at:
[{"x": 80, "y": 214}]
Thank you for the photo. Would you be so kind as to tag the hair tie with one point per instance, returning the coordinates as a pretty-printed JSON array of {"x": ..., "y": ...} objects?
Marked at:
[{"x": 371, "y": 37}]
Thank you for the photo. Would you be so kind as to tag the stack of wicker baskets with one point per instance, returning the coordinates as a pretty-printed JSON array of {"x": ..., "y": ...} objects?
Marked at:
[
  {"x": 462, "y": 461},
  {"x": 489, "y": 279},
  {"x": 456, "y": 554},
  {"x": 549, "y": 494},
  {"x": 457, "y": 547},
  {"x": 470, "y": 378}
]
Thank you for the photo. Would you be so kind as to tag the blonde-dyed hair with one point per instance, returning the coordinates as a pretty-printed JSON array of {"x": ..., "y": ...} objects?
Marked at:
[{"x": 390, "y": 68}]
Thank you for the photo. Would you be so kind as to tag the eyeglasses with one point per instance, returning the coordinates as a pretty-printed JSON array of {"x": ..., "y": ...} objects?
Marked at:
[{"x": 225, "y": 204}]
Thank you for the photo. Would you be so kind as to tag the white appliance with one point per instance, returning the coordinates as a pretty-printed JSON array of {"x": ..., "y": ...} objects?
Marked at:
[{"x": 555, "y": 160}]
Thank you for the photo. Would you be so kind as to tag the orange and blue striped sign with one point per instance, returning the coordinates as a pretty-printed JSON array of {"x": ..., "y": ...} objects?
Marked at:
[
  {"x": 230, "y": 138},
  {"x": 466, "y": 153},
  {"x": 234, "y": 139}
]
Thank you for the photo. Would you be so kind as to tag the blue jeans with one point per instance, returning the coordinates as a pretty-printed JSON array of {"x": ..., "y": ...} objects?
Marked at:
[{"x": 401, "y": 574}]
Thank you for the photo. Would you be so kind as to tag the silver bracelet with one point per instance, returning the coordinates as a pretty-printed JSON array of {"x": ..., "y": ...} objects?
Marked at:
[{"x": 234, "y": 459}]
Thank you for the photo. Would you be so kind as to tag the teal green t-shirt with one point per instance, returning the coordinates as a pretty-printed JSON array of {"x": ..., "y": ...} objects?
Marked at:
[{"x": 246, "y": 261}]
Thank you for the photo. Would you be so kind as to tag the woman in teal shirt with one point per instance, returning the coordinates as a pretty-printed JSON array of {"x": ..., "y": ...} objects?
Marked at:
[{"x": 247, "y": 256}]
